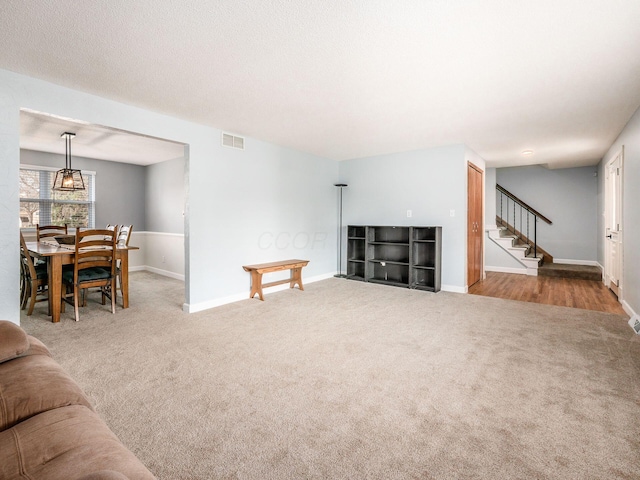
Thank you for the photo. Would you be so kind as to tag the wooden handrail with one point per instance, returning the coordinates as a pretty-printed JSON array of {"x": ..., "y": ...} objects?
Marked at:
[{"x": 523, "y": 204}]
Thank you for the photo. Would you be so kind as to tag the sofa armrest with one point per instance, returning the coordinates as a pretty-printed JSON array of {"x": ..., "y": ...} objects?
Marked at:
[
  {"x": 13, "y": 341},
  {"x": 36, "y": 347}
]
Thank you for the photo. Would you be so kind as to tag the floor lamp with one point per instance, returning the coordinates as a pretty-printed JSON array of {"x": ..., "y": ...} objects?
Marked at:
[{"x": 340, "y": 274}]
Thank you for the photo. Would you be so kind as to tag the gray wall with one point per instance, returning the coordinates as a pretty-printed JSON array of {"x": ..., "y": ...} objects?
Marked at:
[
  {"x": 568, "y": 197},
  {"x": 431, "y": 183},
  {"x": 630, "y": 139},
  {"x": 120, "y": 187},
  {"x": 165, "y": 196}
]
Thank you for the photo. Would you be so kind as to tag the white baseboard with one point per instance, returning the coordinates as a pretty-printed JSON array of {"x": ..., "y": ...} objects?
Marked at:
[
  {"x": 453, "y": 288},
  {"x": 627, "y": 308},
  {"x": 570, "y": 261},
  {"x": 159, "y": 271},
  {"x": 519, "y": 271},
  {"x": 198, "y": 307}
]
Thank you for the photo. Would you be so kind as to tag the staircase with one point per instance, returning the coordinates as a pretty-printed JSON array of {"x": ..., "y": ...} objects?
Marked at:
[
  {"x": 516, "y": 230},
  {"x": 521, "y": 242},
  {"x": 522, "y": 252}
]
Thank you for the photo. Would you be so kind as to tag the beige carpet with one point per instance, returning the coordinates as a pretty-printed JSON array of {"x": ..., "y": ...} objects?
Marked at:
[{"x": 354, "y": 380}]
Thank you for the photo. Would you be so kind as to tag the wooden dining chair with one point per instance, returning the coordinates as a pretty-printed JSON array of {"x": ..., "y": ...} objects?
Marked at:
[
  {"x": 94, "y": 266},
  {"x": 34, "y": 281},
  {"x": 47, "y": 231},
  {"x": 124, "y": 235}
]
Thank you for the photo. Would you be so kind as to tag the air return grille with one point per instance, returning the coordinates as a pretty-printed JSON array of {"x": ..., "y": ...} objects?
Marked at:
[{"x": 232, "y": 141}]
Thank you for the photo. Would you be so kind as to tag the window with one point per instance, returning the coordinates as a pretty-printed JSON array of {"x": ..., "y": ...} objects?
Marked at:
[{"x": 39, "y": 204}]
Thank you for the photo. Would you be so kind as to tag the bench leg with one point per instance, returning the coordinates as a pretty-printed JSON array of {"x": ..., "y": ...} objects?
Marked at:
[
  {"x": 296, "y": 277},
  {"x": 256, "y": 285}
]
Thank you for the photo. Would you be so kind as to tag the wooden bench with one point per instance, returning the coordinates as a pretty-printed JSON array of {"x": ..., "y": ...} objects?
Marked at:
[{"x": 257, "y": 270}]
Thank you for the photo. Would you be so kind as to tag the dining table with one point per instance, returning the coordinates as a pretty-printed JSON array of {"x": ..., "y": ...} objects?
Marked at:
[{"x": 58, "y": 255}]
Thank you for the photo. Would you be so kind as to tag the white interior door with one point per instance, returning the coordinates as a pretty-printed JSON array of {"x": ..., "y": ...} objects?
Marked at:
[{"x": 613, "y": 224}]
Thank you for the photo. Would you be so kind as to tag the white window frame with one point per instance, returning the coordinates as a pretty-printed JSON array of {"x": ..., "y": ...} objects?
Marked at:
[{"x": 91, "y": 203}]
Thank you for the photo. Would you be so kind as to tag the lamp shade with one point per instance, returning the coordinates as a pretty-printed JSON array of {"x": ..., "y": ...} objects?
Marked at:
[{"x": 68, "y": 180}]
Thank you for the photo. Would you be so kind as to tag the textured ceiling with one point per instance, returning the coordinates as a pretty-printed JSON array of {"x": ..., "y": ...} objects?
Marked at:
[{"x": 353, "y": 78}]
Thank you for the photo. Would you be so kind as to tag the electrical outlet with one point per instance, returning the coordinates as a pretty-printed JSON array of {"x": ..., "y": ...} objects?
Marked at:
[
  {"x": 163, "y": 259},
  {"x": 452, "y": 213},
  {"x": 409, "y": 213}
]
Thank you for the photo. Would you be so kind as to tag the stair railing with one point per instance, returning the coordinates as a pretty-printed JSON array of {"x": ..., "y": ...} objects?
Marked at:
[{"x": 509, "y": 207}]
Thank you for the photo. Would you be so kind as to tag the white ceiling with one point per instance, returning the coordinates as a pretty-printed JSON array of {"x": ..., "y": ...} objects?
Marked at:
[{"x": 352, "y": 78}]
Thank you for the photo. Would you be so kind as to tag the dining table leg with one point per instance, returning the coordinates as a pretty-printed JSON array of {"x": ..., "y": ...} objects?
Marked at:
[
  {"x": 124, "y": 270},
  {"x": 54, "y": 271}
]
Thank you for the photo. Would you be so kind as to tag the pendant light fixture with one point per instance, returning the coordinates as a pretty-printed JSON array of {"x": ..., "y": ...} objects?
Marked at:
[{"x": 68, "y": 179}]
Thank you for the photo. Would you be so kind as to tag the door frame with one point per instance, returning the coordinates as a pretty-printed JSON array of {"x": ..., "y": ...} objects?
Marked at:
[{"x": 609, "y": 201}]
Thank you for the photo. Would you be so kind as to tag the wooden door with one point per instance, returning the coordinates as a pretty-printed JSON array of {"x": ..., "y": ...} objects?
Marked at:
[{"x": 475, "y": 223}]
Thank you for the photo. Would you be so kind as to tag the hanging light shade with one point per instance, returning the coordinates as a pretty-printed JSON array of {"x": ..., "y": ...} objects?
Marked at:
[{"x": 68, "y": 179}]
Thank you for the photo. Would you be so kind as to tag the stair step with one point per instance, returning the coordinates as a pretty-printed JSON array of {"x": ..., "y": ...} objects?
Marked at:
[{"x": 582, "y": 272}]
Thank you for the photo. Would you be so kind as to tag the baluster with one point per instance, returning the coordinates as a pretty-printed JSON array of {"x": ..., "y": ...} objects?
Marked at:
[
  {"x": 535, "y": 236},
  {"x": 520, "y": 222}
]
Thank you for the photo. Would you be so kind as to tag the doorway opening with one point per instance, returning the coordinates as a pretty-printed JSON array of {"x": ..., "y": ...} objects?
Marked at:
[
  {"x": 613, "y": 208},
  {"x": 137, "y": 181}
]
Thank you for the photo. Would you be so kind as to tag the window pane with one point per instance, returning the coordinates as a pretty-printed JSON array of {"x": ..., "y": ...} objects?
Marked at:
[
  {"x": 29, "y": 214},
  {"x": 29, "y": 184},
  {"x": 49, "y": 207},
  {"x": 74, "y": 215}
]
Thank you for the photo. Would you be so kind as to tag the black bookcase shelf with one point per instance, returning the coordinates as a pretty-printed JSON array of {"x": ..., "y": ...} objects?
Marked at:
[
  {"x": 401, "y": 256},
  {"x": 356, "y": 252}
]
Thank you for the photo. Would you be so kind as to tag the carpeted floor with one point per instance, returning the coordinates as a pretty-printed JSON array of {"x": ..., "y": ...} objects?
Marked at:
[{"x": 354, "y": 380}]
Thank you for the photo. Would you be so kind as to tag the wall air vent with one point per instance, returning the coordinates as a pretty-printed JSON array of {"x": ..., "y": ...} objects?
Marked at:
[
  {"x": 232, "y": 141},
  {"x": 635, "y": 324}
]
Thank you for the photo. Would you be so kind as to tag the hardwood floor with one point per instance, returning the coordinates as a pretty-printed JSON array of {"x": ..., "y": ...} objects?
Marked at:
[{"x": 566, "y": 292}]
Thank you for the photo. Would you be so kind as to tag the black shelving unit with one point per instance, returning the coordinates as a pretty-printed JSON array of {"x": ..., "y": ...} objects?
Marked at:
[
  {"x": 426, "y": 256},
  {"x": 388, "y": 252},
  {"x": 407, "y": 257},
  {"x": 356, "y": 252}
]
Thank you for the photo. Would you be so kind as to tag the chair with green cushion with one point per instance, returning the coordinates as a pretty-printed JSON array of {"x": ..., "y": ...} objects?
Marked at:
[
  {"x": 34, "y": 282},
  {"x": 94, "y": 266}
]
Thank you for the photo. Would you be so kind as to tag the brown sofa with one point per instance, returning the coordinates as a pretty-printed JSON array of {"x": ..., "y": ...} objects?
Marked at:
[{"x": 48, "y": 428}]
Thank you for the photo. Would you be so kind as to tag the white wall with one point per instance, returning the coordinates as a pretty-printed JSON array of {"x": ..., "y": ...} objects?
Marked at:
[
  {"x": 568, "y": 197},
  {"x": 161, "y": 253},
  {"x": 630, "y": 139},
  {"x": 235, "y": 199},
  {"x": 430, "y": 183},
  {"x": 165, "y": 196}
]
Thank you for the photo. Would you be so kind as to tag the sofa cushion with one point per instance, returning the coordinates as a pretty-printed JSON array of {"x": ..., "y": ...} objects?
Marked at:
[
  {"x": 67, "y": 443},
  {"x": 35, "y": 383},
  {"x": 13, "y": 341}
]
